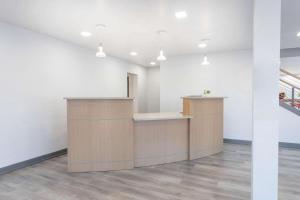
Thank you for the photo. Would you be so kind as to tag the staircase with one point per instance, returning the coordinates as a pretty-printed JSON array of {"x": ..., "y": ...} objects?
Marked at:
[{"x": 289, "y": 97}]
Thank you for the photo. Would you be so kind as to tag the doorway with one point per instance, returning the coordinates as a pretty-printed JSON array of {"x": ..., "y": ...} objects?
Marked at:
[{"x": 132, "y": 89}]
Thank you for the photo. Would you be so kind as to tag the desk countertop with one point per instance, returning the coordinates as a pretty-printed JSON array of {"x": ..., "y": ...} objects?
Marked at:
[
  {"x": 98, "y": 98},
  {"x": 159, "y": 116},
  {"x": 202, "y": 97}
]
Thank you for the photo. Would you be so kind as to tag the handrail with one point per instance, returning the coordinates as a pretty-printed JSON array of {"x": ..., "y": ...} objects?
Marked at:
[
  {"x": 290, "y": 74},
  {"x": 293, "y": 91},
  {"x": 293, "y": 86},
  {"x": 293, "y": 100}
]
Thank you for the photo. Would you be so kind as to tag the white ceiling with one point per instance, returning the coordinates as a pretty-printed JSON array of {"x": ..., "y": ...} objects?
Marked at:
[
  {"x": 132, "y": 24},
  {"x": 290, "y": 24}
]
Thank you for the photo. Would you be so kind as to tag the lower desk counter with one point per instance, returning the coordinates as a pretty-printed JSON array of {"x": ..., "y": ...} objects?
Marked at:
[{"x": 160, "y": 138}]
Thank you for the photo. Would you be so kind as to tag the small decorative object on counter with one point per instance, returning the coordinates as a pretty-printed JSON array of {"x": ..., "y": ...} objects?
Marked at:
[
  {"x": 206, "y": 92},
  {"x": 282, "y": 95}
]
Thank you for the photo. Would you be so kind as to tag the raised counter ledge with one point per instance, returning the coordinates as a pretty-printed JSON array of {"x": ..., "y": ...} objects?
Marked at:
[
  {"x": 159, "y": 116},
  {"x": 98, "y": 98}
]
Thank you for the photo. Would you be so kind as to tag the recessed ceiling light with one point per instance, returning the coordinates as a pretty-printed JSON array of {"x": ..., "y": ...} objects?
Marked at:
[
  {"x": 298, "y": 34},
  {"x": 152, "y": 63},
  {"x": 181, "y": 14},
  {"x": 133, "y": 53},
  {"x": 85, "y": 34},
  {"x": 202, "y": 45}
]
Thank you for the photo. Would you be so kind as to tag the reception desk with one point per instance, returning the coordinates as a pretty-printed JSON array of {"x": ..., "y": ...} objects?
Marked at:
[{"x": 104, "y": 134}]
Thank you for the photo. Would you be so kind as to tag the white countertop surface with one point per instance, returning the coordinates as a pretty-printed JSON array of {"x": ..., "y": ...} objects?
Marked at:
[
  {"x": 98, "y": 98},
  {"x": 159, "y": 116}
]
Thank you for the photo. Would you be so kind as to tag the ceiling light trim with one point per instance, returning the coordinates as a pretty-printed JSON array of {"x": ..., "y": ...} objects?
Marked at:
[{"x": 101, "y": 26}]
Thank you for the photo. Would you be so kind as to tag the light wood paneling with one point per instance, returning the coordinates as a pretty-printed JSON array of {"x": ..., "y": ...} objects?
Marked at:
[
  {"x": 100, "y": 109},
  {"x": 160, "y": 141},
  {"x": 186, "y": 107},
  {"x": 206, "y": 126},
  {"x": 100, "y": 135}
]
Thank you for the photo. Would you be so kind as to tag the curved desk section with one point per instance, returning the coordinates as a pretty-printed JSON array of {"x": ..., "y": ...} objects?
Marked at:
[
  {"x": 160, "y": 138},
  {"x": 206, "y": 127}
]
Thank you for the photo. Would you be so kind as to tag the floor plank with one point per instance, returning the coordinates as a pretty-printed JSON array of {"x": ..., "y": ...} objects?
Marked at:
[{"x": 224, "y": 176}]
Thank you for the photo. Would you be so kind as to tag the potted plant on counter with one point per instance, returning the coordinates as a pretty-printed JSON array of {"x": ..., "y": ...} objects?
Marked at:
[{"x": 206, "y": 92}]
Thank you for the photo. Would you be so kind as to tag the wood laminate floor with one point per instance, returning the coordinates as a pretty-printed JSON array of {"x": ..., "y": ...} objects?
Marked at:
[{"x": 225, "y": 176}]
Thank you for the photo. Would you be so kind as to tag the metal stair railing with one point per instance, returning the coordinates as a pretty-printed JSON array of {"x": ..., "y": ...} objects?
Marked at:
[{"x": 291, "y": 103}]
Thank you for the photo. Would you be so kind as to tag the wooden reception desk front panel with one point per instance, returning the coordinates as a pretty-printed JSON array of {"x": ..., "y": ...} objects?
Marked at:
[
  {"x": 162, "y": 140},
  {"x": 206, "y": 125},
  {"x": 100, "y": 134}
]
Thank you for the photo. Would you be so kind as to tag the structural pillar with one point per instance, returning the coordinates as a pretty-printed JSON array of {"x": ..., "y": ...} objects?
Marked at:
[{"x": 266, "y": 53}]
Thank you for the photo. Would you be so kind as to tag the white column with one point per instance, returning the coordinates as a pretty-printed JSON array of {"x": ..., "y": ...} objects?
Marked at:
[{"x": 266, "y": 52}]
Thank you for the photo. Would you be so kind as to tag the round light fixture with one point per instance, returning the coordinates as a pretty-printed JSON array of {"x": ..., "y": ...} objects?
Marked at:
[
  {"x": 162, "y": 32},
  {"x": 133, "y": 53},
  {"x": 152, "y": 63},
  {"x": 298, "y": 34},
  {"x": 85, "y": 34},
  {"x": 181, "y": 14},
  {"x": 202, "y": 45}
]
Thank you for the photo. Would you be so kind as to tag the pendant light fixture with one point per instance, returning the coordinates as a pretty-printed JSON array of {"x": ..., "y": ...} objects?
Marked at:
[
  {"x": 203, "y": 43},
  {"x": 100, "y": 53},
  {"x": 161, "y": 56},
  {"x": 205, "y": 61},
  {"x": 161, "y": 34}
]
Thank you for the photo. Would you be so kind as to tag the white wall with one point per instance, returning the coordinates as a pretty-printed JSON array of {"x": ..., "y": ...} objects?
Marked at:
[
  {"x": 153, "y": 89},
  {"x": 291, "y": 64},
  {"x": 36, "y": 72},
  {"x": 228, "y": 75}
]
